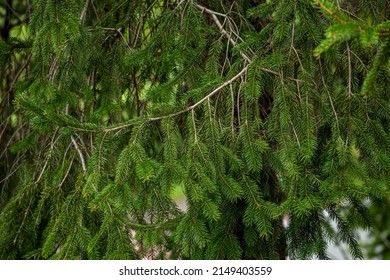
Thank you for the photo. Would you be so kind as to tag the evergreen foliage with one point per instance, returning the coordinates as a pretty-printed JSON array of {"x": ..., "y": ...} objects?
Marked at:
[{"x": 261, "y": 112}]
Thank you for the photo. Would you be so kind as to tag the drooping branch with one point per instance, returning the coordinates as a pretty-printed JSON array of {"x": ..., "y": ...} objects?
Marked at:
[
  {"x": 327, "y": 10},
  {"x": 152, "y": 119},
  {"x": 216, "y": 90},
  {"x": 222, "y": 30}
]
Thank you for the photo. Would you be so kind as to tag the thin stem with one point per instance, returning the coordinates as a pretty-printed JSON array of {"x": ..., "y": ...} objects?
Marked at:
[
  {"x": 193, "y": 121},
  {"x": 234, "y": 43},
  {"x": 84, "y": 12},
  {"x": 67, "y": 173},
  {"x": 80, "y": 153},
  {"x": 349, "y": 72}
]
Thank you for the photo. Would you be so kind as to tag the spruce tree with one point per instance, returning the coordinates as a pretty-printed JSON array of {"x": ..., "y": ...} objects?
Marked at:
[{"x": 272, "y": 117}]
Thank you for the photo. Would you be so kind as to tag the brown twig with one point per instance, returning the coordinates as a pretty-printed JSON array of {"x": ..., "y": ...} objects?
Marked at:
[{"x": 323, "y": 7}]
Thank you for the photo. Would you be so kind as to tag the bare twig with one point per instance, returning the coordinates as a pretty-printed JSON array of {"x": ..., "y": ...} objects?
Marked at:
[
  {"x": 13, "y": 169},
  {"x": 52, "y": 144},
  {"x": 216, "y": 90},
  {"x": 83, "y": 145},
  {"x": 234, "y": 43},
  {"x": 140, "y": 22},
  {"x": 24, "y": 219},
  {"x": 190, "y": 108},
  {"x": 119, "y": 32},
  {"x": 193, "y": 121},
  {"x": 5, "y": 125},
  {"x": 101, "y": 151},
  {"x": 238, "y": 75},
  {"x": 330, "y": 98},
  {"x": 349, "y": 72},
  {"x": 238, "y": 106},
  {"x": 80, "y": 153},
  {"x": 84, "y": 12},
  {"x": 232, "y": 120},
  {"x": 94, "y": 9},
  {"x": 10, "y": 139},
  {"x": 67, "y": 173},
  {"x": 222, "y": 30}
]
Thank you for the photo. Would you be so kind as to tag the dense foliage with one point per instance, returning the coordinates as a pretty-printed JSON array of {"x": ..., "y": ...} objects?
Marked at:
[{"x": 272, "y": 117}]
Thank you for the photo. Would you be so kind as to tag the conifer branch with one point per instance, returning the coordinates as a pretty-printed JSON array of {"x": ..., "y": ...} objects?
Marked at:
[
  {"x": 238, "y": 75},
  {"x": 222, "y": 30},
  {"x": 194, "y": 124},
  {"x": 100, "y": 153},
  {"x": 324, "y": 8},
  {"x": 10, "y": 140},
  {"x": 234, "y": 43},
  {"x": 15, "y": 167},
  {"x": 83, "y": 145},
  {"x": 232, "y": 112},
  {"x": 238, "y": 107},
  {"x": 67, "y": 173},
  {"x": 119, "y": 31},
  {"x": 52, "y": 144}
]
